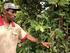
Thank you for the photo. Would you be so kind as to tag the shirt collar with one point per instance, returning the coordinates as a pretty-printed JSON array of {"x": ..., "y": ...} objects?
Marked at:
[{"x": 2, "y": 22}]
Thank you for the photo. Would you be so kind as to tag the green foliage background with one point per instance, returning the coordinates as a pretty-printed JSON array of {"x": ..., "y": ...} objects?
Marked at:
[{"x": 52, "y": 25}]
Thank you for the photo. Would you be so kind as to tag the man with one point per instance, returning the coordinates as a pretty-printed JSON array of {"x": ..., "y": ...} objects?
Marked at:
[{"x": 10, "y": 32}]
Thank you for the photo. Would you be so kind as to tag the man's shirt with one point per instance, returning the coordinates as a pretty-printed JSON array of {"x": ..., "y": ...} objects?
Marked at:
[{"x": 10, "y": 36}]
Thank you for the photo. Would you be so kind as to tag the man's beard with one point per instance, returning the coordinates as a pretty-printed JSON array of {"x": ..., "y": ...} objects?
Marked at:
[{"x": 10, "y": 19}]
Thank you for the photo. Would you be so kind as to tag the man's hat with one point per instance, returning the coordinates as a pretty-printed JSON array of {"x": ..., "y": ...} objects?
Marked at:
[{"x": 11, "y": 6}]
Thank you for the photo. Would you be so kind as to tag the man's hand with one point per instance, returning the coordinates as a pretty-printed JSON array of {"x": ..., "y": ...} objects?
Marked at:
[{"x": 46, "y": 44}]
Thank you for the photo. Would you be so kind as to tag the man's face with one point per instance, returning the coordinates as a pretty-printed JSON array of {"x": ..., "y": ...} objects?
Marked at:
[{"x": 11, "y": 14}]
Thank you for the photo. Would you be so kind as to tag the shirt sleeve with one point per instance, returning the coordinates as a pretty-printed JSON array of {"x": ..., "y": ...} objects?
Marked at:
[{"x": 23, "y": 35}]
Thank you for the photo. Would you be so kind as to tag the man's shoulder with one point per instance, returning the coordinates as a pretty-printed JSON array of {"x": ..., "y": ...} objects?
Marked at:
[{"x": 1, "y": 21}]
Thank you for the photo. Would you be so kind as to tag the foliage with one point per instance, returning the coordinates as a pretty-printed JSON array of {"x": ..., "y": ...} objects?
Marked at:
[
  {"x": 52, "y": 25},
  {"x": 1, "y": 6}
]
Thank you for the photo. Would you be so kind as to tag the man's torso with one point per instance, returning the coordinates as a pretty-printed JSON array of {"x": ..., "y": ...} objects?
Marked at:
[{"x": 8, "y": 39}]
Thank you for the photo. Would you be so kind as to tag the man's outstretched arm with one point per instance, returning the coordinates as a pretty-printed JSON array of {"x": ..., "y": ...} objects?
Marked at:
[{"x": 33, "y": 39}]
